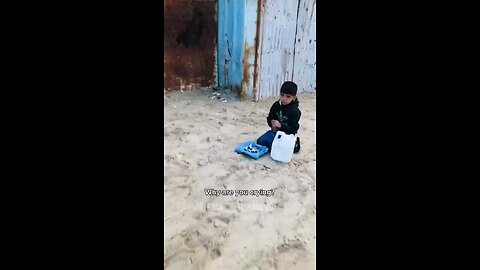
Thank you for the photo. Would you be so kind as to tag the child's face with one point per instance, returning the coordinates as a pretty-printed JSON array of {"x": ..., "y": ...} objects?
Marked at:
[{"x": 286, "y": 98}]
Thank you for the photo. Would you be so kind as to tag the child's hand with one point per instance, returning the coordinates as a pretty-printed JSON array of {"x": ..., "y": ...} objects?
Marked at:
[{"x": 276, "y": 124}]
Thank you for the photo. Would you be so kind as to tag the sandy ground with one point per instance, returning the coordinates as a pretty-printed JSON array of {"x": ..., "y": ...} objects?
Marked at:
[{"x": 274, "y": 230}]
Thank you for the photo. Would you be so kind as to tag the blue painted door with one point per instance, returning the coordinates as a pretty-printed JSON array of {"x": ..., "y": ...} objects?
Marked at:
[{"x": 231, "y": 21}]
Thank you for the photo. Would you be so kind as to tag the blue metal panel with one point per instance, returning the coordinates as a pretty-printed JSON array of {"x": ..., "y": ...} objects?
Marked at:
[{"x": 231, "y": 20}]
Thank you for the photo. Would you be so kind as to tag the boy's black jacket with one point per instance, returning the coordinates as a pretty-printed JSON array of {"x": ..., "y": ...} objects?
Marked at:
[{"x": 287, "y": 115}]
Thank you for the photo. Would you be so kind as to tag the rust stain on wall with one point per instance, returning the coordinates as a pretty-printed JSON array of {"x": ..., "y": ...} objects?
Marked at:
[
  {"x": 247, "y": 52},
  {"x": 190, "y": 34},
  {"x": 257, "y": 47}
]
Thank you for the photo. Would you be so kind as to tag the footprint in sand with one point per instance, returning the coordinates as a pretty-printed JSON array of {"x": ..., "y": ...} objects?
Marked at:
[
  {"x": 168, "y": 157},
  {"x": 178, "y": 131},
  {"x": 221, "y": 222}
]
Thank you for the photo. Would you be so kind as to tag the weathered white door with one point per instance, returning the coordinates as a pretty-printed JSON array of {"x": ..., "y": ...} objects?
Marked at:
[
  {"x": 305, "y": 59},
  {"x": 277, "y": 47},
  {"x": 288, "y": 46}
]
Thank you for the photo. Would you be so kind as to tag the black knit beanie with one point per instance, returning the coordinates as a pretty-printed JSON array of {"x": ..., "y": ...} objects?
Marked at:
[{"x": 289, "y": 87}]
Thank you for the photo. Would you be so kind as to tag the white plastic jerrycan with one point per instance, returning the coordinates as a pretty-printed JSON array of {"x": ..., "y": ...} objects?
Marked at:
[{"x": 282, "y": 147}]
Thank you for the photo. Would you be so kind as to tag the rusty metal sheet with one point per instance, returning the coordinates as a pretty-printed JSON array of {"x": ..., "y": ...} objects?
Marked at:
[
  {"x": 258, "y": 49},
  {"x": 190, "y": 36}
]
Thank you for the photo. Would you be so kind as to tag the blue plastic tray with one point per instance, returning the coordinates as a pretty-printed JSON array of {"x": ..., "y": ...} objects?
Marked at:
[{"x": 251, "y": 149}]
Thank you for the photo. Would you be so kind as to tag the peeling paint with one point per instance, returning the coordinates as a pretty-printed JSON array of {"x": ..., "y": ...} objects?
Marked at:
[{"x": 249, "y": 45}]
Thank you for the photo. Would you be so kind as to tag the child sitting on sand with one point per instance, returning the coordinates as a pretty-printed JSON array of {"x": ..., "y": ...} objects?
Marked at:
[{"x": 283, "y": 116}]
